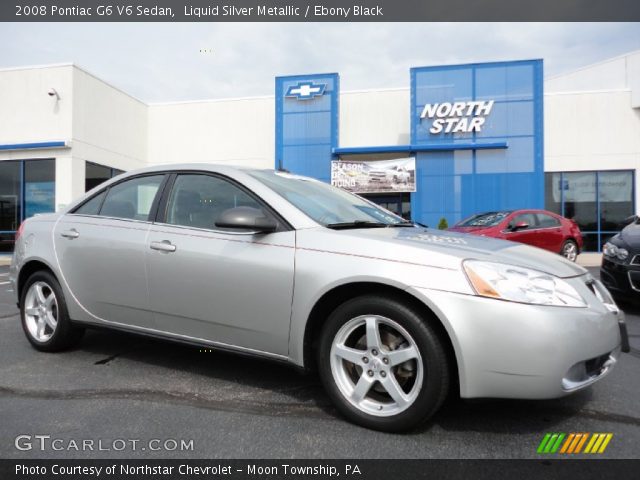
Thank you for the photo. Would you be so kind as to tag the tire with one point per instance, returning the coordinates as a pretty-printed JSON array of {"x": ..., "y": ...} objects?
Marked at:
[
  {"x": 46, "y": 323},
  {"x": 569, "y": 250},
  {"x": 423, "y": 380}
]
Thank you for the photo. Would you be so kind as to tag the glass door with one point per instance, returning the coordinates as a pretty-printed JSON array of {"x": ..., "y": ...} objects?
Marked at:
[
  {"x": 398, "y": 203},
  {"x": 10, "y": 202}
]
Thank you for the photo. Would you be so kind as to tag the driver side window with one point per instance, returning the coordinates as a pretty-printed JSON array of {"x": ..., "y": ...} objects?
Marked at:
[
  {"x": 198, "y": 200},
  {"x": 528, "y": 218}
]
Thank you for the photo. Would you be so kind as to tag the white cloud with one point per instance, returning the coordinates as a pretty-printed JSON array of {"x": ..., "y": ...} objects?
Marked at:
[{"x": 163, "y": 62}]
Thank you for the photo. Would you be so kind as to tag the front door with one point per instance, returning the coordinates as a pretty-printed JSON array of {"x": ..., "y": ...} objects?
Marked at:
[
  {"x": 101, "y": 252},
  {"x": 528, "y": 234},
  {"x": 229, "y": 287}
]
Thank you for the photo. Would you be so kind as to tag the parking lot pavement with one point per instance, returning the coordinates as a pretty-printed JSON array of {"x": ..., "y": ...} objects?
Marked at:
[{"x": 119, "y": 386}]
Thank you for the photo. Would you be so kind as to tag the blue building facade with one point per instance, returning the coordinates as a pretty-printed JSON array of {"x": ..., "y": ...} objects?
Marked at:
[{"x": 476, "y": 134}]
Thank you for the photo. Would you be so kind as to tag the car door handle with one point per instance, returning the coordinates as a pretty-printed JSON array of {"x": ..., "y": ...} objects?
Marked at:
[
  {"x": 73, "y": 233},
  {"x": 163, "y": 246}
]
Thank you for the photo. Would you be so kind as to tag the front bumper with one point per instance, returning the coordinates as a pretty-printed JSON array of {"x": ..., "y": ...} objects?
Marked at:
[
  {"x": 513, "y": 350},
  {"x": 622, "y": 279}
]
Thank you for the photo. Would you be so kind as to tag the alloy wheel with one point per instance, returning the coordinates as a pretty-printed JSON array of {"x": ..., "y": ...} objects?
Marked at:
[
  {"x": 41, "y": 311},
  {"x": 570, "y": 251},
  {"x": 376, "y": 365}
]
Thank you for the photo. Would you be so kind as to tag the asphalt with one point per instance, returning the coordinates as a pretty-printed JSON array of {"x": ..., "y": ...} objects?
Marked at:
[{"x": 120, "y": 386}]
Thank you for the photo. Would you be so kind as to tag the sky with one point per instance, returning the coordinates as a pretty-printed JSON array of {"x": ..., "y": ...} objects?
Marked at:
[{"x": 164, "y": 62}]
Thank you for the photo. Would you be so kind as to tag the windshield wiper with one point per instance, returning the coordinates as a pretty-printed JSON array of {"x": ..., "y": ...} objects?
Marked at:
[
  {"x": 401, "y": 224},
  {"x": 356, "y": 224}
]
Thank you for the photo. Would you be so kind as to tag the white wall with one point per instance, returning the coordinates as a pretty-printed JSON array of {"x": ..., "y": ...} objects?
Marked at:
[
  {"x": 109, "y": 126},
  {"x": 607, "y": 75},
  {"x": 28, "y": 113},
  {"x": 236, "y": 132},
  {"x": 374, "y": 118},
  {"x": 592, "y": 131}
]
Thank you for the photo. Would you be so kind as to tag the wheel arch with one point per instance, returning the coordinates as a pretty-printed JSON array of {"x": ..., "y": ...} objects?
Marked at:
[
  {"x": 28, "y": 269},
  {"x": 341, "y": 293}
]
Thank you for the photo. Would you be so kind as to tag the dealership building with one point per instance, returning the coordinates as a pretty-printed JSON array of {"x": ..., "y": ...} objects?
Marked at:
[{"x": 484, "y": 136}]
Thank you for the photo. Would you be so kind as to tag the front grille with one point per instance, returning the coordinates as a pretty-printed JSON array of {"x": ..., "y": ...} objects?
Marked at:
[
  {"x": 594, "y": 366},
  {"x": 634, "y": 280},
  {"x": 635, "y": 260}
]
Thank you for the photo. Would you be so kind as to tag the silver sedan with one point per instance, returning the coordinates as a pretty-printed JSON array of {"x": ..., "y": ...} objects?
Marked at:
[{"x": 393, "y": 316}]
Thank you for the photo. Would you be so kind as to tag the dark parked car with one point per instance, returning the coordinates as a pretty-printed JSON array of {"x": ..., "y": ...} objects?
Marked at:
[
  {"x": 620, "y": 270},
  {"x": 538, "y": 228}
]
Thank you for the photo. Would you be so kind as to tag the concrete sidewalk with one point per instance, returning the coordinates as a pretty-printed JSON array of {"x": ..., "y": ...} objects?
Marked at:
[{"x": 589, "y": 259}]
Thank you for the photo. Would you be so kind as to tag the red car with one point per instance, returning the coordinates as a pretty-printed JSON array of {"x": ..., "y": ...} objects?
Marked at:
[{"x": 539, "y": 228}]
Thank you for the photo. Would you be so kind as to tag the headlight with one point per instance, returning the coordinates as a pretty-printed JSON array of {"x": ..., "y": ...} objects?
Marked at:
[
  {"x": 611, "y": 250},
  {"x": 518, "y": 284}
]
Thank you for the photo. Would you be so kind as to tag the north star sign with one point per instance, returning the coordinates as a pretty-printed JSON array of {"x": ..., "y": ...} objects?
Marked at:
[
  {"x": 306, "y": 90},
  {"x": 457, "y": 117}
]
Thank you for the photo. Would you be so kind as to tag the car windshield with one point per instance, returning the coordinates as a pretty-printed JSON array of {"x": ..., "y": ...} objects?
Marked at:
[
  {"x": 489, "y": 219},
  {"x": 326, "y": 204}
]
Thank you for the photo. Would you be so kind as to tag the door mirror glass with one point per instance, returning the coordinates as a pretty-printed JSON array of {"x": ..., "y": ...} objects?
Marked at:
[{"x": 246, "y": 218}]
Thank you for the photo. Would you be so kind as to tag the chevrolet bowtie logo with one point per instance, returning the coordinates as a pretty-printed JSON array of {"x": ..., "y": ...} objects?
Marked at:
[{"x": 305, "y": 90}]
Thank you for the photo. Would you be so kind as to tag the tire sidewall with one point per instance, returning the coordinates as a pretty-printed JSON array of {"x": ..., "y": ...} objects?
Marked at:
[
  {"x": 63, "y": 328},
  {"x": 433, "y": 358}
]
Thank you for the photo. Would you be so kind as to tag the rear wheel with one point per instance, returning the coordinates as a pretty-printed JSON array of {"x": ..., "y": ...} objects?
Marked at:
[
  {"x": 43, "y": 311},
  {"x": 569, "y": 250},
  {"x": 383, "y": 365}
]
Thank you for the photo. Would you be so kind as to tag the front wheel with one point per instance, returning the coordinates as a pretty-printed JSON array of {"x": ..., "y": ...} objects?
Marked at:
[
  {"x": 569, "y": 250},
  {"x": 43, "y": 311},
  {"x": 382, "y": 364}
]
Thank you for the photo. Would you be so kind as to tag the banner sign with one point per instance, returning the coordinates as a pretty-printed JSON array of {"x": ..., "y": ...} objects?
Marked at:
[
  {"x": 453, "y": 469},
  {"x": 315, "y": 11},
  {"x": 380, "y": 176}
]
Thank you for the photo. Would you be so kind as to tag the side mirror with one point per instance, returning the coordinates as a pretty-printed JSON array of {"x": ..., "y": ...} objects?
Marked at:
[
  {"x": 246, "y": 218},
  {"x": 519, "y": 226}
]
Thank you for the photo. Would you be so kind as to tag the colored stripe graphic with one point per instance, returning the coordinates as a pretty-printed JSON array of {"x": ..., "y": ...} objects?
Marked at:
[
  {"x": 581, "y": 443},
  {"x": 573, "y": 443},
  {"x": 551, "y": 442},
  {"x": 598, "y": 443}
]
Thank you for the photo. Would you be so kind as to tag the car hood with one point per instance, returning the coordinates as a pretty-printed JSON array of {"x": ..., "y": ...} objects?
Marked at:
[
  {"x": 467, "y": 229},
  {"x": 430, "y": 247},
  {"x": 631, "y": 236}
]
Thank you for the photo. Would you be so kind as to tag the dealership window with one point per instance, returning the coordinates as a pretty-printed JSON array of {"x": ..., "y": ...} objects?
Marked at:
[
  {"x": 39, "y": 187},
  {"x": 10, "y": 200},
  {"x": 27, "y": 188},
  {"x": 398, "y": 203},
  {"x": 95, "y": 174},
  {"x": 598, "y": 201}
]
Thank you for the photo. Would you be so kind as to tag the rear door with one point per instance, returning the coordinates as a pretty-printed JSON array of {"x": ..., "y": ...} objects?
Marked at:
[
  {"x": 101, "y": 251},
  {"x": 550, "y": 232},
  {"x": 230, "y": 287}
]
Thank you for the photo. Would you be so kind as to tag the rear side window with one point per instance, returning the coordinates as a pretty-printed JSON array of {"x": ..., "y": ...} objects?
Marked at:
[
  {"x": 92, "y": 207},
  {"x": 131, "y": 199},
  {"x": 545, "y": 221}
]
